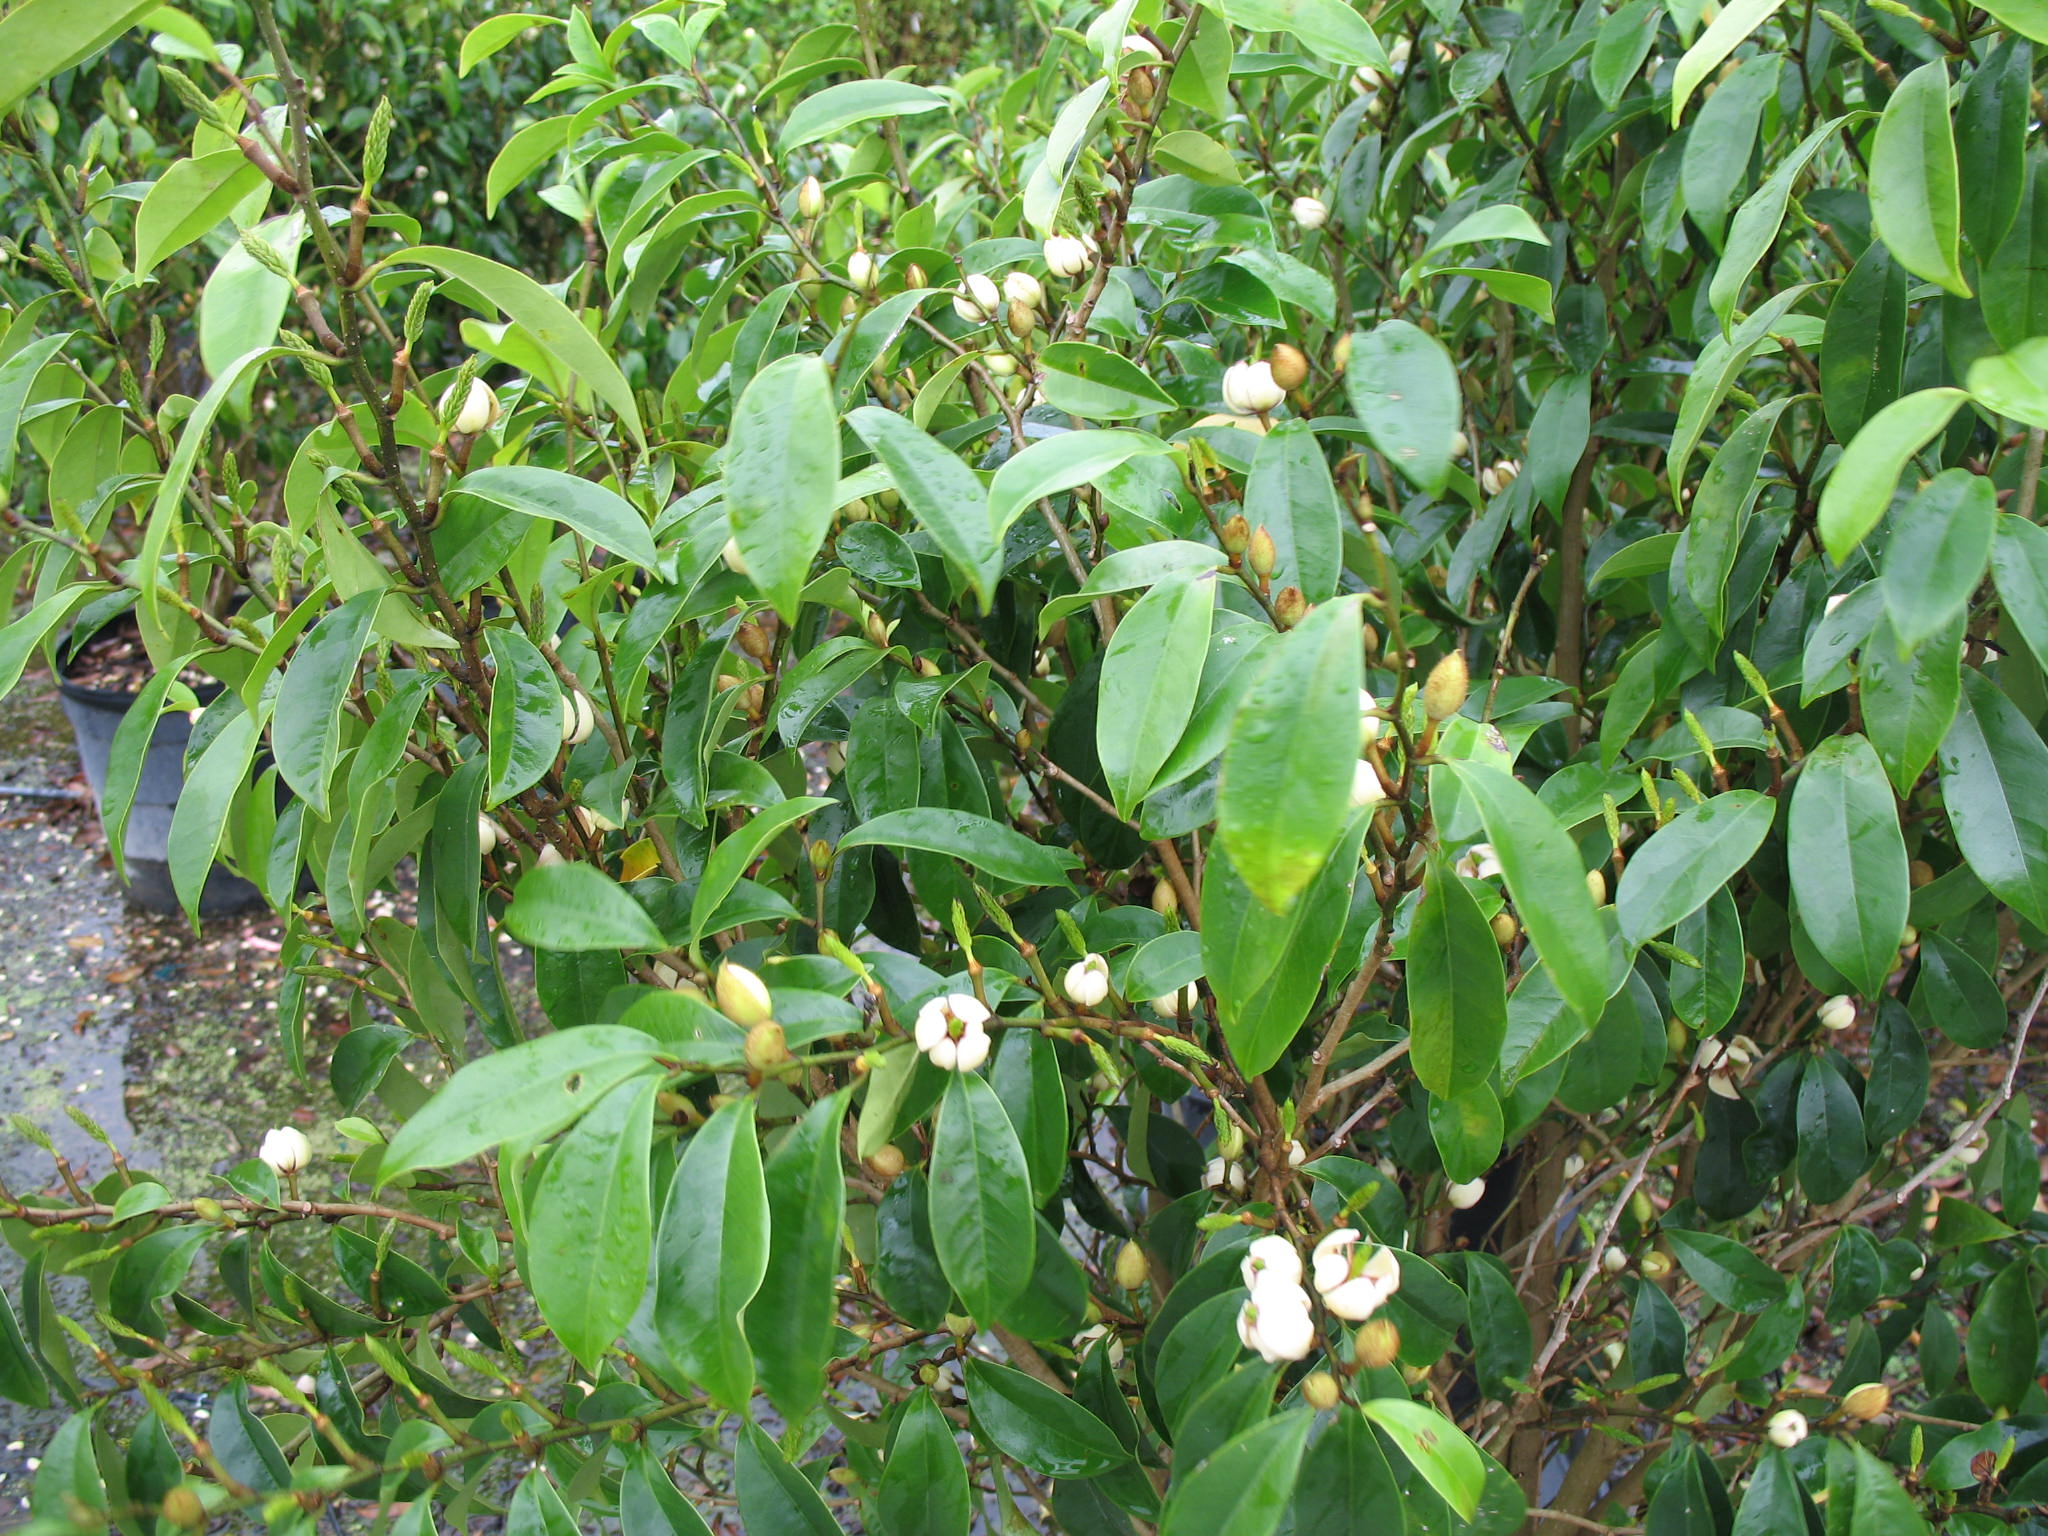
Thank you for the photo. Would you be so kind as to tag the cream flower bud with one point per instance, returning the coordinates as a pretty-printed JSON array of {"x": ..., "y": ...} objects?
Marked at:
[
  {"x": 977, "y": 299},
  {"x": 551, "y": 857},
  {"x": 810, "y": 198},
  {"x": 1489, "y": 481},
  {"x": 1131, "y": 1268},
  {"x": 1172, "y": 1004},
  {"x": 1464, "y": 1196},
  {"x": 285, "y": 1149},
  {"x": 1460, "y": 445},
  {"x": 999, "y": 364},
  {"x": 488, "y": 836},
  {"x": 1023, "y": 288},
  {"x": 1838, "y": 1013},
  {"x": 950, "y": 1031},
  {"x": 1087, "y": 980},
  {"x": 1574, "y": 1165},
  {"x": 479, "y": 408},
  {"x": 1866, "y": 1401},
  {"x": 1369, "y": 723},
  {"x": 1614, "y": 1261},
  {"x": 732, "y": 558},
  {"x": 1834, "y": 602},
  {"x": 1366, "y": 788},
  {"x": 1066, "y": 257},
  {"x": 742, "y": 996},
  {"x": 863, "y": 271},
  {"x": 1134, "y": 43},
  {"x": 1250, "y": 389},
  {"x": 1224, "y": 1173},
  {"x": 1309, "y": 212},
  {"x": 1786, "y": 1428},
  {"x": 1270, "y": 1258},
  {"x": 578, "y": 719}
]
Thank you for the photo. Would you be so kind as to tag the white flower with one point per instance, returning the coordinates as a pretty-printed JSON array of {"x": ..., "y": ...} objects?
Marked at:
[
  {"x": 1352, "y": 1286},
  {"x": 1787, "y": 1428},
  {"x": 1270, "y": 1258},
  {"x": 743, "y": 996},
  {"x": 1479, "y": 863},
  {"x": 1224, "y": 1173},
  {"x": 1574, "y": 1165},
  {"x": 1838, "y": 1013},
  {"x": 1368, "y": 722},
  {"x": 1023, "y": 288},
  {"x": 285, "y": 1149},
  {"x": 1297, "y": 1154},
  {"x": 1726, "y": 1062},
  {"x": 1250, "y": 389},
  {"x": 578, "y": 719},
  {"x": 1066, "y": 256},
  {"x": 1276, "y": 1323},
  {"x": 864, "y": 271},
  {"x": 1398, "y": 54},
  {"x": 1087, "y": 980},
  {"x": 1133, "y": 43},
  {"x": 1309, "y": 212},
  {"x": 949, "y": 1030},
  {"x": 479, "y": 408},
  {"x": 1464, "y": 1196},
  {"x": 488, "y": 835},
  {"x": 1614, "y": 1261},
  {"x": 1489, "y": 481},
  {"x": 1170, "y": 1004},
  {"x": 1366, "y": 788},
  {"x": 550, "y": 857},
  {"x": 1967, "y": 1152},
  {"x": 977, "y": 299},
  {"x": 1367, "y": 79}
]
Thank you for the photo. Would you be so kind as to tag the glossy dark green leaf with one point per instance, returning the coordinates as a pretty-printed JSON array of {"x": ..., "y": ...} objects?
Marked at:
[
  {"x": 1720, "y": 512},
  {"x": 578, "y": 906},
  {"x": 590, "y": 1230},
  {"x": 1706, "y": 995},
  {"x": 1346, "y": 1487},
  {"x": 1289, "y": 493},
  {"x": 1287, "y": 770},
  {"x": 1860, "y": 489},
  {"x": 712, "y": 1254},
  {"x": 651, "y": 1505},
  {"x": 1910, "y": 701},
  {"x": 1502, "y": 1341},
  {"x": 1448, "y": 1461},
  {"x": 1097, "y": 384},
  {"x": 792, "y": 1317},
  {"x": 981, "y": 1208},
  {"x": 1244, "y": 1488},
  {"x": 1727, "y": 1271},
  {"x": 924, "y": 1489},
  {"x": 1151, "y": 675},
  {"x": 775, "y": 1499},
  {"x": 526, "y": 715},
  {"x": 782, "y": 475},
  {"x": 1656, "y": 1343},
  {"x": 1863, "y": 348},
  {"x": 988, "y": 845},
  {"x": 907, "y": 1269},
  {"x": 2015, "y": 290},
  {"x": 2004, "y": 1338},
  {"x": 1688, "y": 860},
  {"x": 149, "y": 1270},
  {"x": 1040, "y": 1429},
  {"x": 1956, "y": 995},
  {"x": 1882, "y": 1507},
  {"x": 1404, "y": 387},
  {"x": 1935, "y": 559},
  {"x": 1848, "y": 861},
  {"x": 735, "y": 854},
  {"x": 200, "y": 820},
  {"x": 946, "y": 496},
  {"x": 306, "y": 732},
  {"x": 1831, "y": 1138},
  {"x": 1026, "y": 1077},
  {"x": 21, "y": 1379},
  {"x": 1994, "y": 785},
  {"x": 1457, "y": 998},
  {"x": 1626, "y": 37},
  {"x": 1991, "y": 147},
  {"x": 69, "y": 1479},
  {"x": 245, "y": 1445}
]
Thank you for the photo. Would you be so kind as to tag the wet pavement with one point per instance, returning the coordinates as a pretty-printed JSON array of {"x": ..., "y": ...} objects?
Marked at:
[{"x": 163, "y": 1039}]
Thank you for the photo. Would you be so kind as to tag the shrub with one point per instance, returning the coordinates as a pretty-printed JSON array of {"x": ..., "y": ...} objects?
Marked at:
[{"x": 1255, "y": 769}]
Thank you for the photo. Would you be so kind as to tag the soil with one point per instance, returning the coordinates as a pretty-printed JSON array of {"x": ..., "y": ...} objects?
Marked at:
[{"x": 115, "y": 661}]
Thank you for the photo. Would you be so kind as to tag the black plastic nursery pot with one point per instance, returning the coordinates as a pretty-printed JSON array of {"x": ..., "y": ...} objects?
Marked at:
[{"x": 95, "y": 715}]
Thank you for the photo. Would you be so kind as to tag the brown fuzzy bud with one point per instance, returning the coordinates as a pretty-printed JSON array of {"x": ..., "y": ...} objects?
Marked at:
[
  {"x": 766, "y": 1048},
  {"x": 181, "y": 1507},
  {"x": 1290, "y": 606},
  {"x": 1290, "y": 366},
  {"x": 1319, "y": 1390},
  {"x": 1377, "y": 1344},
  {"x": 1371, "y": 637},
  {"x": 1444, "y": 691},
  {"x": 886, "y": 1162},
  {"x": 1340, "y": 354},
  {"x": 1867, "y": 1401},
  {"x": 1236, "y": 535},
  {"x": 1261, "y": 554},
  {"x": 1140, "y": 86},
  {"x": 753, "y": 639}
]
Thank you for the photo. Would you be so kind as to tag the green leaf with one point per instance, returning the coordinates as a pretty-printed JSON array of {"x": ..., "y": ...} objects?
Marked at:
[
  {"x": 854, "y": 101},
  {"x": 590, "y": 1230},
  {"x": 199, "y": 823},
  {"x": 1151, "y": 673},
  {"x": 2004, "y": 1338},
  {"x": 1712, "y": 46},
  {"x": 1848, "y": 861},
  {"x": 1994, "y": 786},
  {"x": 1558, "y": 436},
  {"x": 1131, "y": 568},
  {"x": 2013, "y": 383},
  {"x": 1720, "y": 513},
  {"x": 1330, "y": 29},
  {"x": 792, "y": 1317},
  {"x": 1285, "y": 792},
  {"x": 1404, "y": 387},
  {"x": 526, "y": 715},
  {"x": 152, "y": 1267},
  {"x": 1882, "y": 1507},
  {"x": 578, "y": 906},
  {"x": 1755, "y": 227},
  {"x": 1042, "y": 1430},
  {"x": 531, "y": 1091},
  {"x": 1859, "y": 491},
  {"x": 1940, "y": 542},
  {"x": 1468, "y": 1130},
  {"x": 923, "y": 1491},
  {"x": 1457, "y": 993},
  {"x": 1482, "y": 226},
  {"x": 1055, "y": 464},
  {"x": 1691, "y": 857},
  {"x": 40, "y": 39},
  {"x": 1548, "y": 882},
  {"x": 1624, "y": 43},
  {"x": 1773, "y": 1502},
  {"x": 1915, "y": 205},
  {"x": 188, "y": 200},
  {"x": 1727, "y": 1271},
  {"x": 244, "y": 301},
  {"x": 600, "y": 515},
  {"x": 988, "y": 845},
  {"x": 551, "y": 324},
  {"x": 980, "y": 1198},
  {"x": 782, "y": 475},
  {"x": 1830, "y": 1123},
  {"x": 1095, "y": 383},
  {"x": 1863, "y": 348},
  {"x": 68, "y": 1491},
  {"x": 712, "y": 1254},
  {"x": 1346, "y": 1487},
  {"x": 21, "y": 1379},
  {"x": 493, "y": 33},
  {"x": 649, "y": 1504},
  {"x": 1290, "y": 494},
  {"x": 774, "y": 1498},
  {"x": 946, "y": 496},
  {"x": 1243, "y": 1488},
  {"x": 305, "y": 733},
  {"x": 2019, "y": 566},
  {"x": 1437, "y": 1448},
  {"x": 736, "y": 854},
  {"x": 1026, "y": 1077}
]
